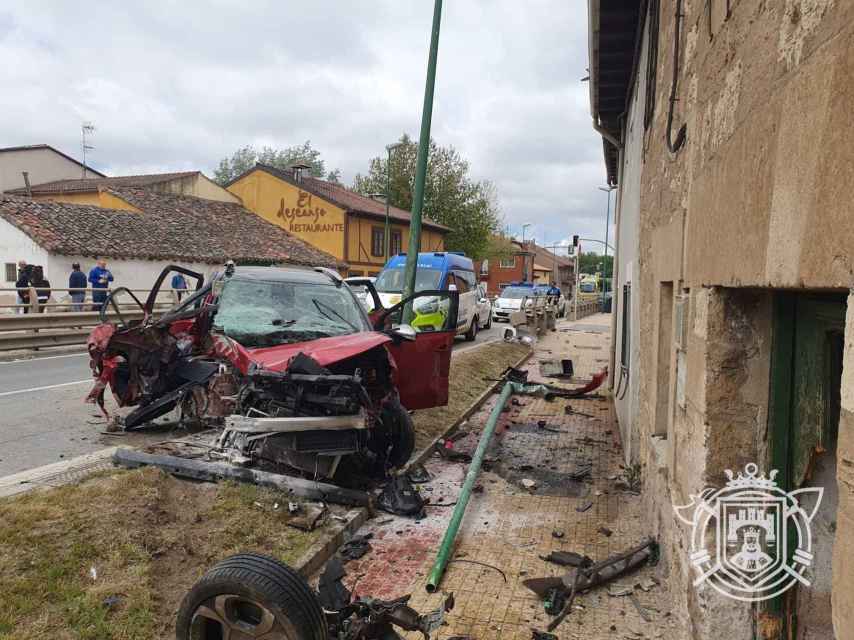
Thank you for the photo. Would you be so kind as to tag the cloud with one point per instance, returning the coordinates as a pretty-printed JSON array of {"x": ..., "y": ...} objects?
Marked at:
[{"x": 173, "y": 86}]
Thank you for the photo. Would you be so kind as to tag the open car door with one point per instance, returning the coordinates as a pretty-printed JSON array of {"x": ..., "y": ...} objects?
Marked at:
[{"x": 424, "y": 361}]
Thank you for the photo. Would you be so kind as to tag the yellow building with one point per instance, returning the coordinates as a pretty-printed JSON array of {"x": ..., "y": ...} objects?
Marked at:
[{"x": 346, "y": 224}]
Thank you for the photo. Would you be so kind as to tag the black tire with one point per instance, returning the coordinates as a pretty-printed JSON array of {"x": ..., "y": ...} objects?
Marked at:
[
  {"x": 471, "y": 334},
  {"x": 489, "y": 321},
  {"x": 394, "y": 437},
  {"x": 255, "y": 590}
]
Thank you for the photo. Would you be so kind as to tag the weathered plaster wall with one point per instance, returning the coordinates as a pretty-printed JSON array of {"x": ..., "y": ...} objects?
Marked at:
[{"x": 756, "y": 199}]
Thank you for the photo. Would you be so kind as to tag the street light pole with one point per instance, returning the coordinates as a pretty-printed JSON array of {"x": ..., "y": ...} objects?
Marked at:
[
  {"x": 389, "y": 148},
  {"x": 524, "y": 256},
  {"x": 421, "y": 165},
  {"x": 608, "y": 189}
]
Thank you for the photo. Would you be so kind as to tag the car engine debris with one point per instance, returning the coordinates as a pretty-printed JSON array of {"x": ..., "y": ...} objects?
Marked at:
[
  {"x": 369, "y": 618},
  {"x": 284, "y": 364}
]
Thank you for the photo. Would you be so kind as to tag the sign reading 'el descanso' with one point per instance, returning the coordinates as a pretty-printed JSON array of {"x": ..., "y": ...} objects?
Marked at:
[{"x": 306, "y": 217}]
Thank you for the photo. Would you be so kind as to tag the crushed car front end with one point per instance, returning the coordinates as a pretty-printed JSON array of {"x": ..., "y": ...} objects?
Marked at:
[{"x": 283, "y": 361}]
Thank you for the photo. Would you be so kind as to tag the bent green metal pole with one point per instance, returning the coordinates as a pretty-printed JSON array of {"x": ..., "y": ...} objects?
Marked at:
[
  {"x": 421, "y": 166},
  {"x": 446, "y": 547}
]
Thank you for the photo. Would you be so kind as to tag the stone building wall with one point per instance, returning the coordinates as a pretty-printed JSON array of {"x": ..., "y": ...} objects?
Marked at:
[{"x": 755, "y": 201}]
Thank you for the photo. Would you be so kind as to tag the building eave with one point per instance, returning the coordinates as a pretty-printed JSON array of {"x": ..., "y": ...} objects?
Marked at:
[{"x": 613, "y": 27}]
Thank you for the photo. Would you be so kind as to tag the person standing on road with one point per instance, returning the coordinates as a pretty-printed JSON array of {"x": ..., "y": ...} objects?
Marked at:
[
  {"x": 100, "y": 278},
  {"x": 22, "y": 284},
  {"x": 77, "y": 283},
  {"x": 179, "y": 285},
  {"x": 42, "y": 286}
]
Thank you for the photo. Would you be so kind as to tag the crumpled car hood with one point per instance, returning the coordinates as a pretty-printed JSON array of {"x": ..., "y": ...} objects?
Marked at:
[{"x": 325, "y": 351}]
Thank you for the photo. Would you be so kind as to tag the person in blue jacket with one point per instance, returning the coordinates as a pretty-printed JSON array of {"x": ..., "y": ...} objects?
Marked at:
[
  {"x": 77, "y": 280},
  {"x": 100, "y": 278},
  {"x": 179, "y": 284}
]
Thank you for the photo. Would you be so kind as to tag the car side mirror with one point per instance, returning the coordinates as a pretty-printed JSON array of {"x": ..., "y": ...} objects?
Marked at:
[
  {"x": 483, "y": 301},
  {"x": 403, "y": 332}
]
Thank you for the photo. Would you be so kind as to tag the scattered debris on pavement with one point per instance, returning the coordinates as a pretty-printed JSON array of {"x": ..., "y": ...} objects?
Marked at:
[
  {"x": 369, "y": 618},
  {"x": 585, "y": 578},
  {"x": 556, "y": 368}
]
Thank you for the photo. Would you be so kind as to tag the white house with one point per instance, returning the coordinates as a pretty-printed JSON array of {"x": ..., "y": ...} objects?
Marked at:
[{"x": 160, "y": 229}]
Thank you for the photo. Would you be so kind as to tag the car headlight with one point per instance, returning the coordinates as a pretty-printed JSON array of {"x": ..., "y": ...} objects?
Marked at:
[{"x": 426, "y": 306}]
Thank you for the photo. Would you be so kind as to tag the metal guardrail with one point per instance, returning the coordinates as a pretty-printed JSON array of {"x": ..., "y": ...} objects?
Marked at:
[
  {"x": 52, "y": 324},
  {"x": 584, "y": 308}
]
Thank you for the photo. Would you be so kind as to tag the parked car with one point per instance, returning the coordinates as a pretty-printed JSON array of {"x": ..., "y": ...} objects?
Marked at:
[
  {"x": 361, "y": 291},
  {"x": 285, "y": 361},
  {"x": 511, "y": 299},
  {"x": 441, "y": 270},
  {"x": 484, "y": 307}
]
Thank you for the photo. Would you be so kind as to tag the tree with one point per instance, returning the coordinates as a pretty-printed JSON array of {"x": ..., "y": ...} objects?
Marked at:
[
  {"x": 592, "y": 263},
  {"x": 451, "y": 197},
  {"x": 247, "y": 157}
]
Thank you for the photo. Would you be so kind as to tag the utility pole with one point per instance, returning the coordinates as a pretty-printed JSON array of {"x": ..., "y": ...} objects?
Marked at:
[
  {"x": 609, "y": 189},
  {"x": 421, "y": 165},
  {"x": 389, "y": 148},
  {"x": 86, "y": 127}
]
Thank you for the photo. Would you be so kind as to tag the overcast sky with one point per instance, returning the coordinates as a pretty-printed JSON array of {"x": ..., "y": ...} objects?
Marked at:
[{"x": 179, "y": 85}]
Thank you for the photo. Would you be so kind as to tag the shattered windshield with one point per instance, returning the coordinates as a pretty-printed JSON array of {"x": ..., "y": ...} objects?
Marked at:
[
  {"x": 264, "y": 314},
  {"x": 391, "y": 280}
]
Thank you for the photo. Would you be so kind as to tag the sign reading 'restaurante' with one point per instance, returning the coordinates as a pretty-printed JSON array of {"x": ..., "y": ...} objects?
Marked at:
[{"x": 305, "y": 217}]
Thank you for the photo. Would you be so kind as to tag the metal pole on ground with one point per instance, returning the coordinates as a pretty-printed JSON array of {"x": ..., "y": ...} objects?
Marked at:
[
  {"x": 446, "y": 548},
  {"x": 421, "y": 166}
]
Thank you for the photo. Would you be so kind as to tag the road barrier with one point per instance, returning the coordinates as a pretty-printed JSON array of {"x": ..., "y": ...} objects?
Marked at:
[
  {"x": 584, "y": 308},
  {"x": 34, "y": 325}
]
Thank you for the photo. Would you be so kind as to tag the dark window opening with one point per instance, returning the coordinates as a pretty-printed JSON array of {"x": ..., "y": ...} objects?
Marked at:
[
  {"x": 377, "y": 242},
  {"x": 396, "y": 242}
]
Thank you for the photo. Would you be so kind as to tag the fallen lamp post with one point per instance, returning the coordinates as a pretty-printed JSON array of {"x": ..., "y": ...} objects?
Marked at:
[{"x": 445, "y": 549}]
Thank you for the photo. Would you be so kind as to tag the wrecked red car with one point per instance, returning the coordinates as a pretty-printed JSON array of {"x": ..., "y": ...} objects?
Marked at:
[{"x": 284, "y": 361}]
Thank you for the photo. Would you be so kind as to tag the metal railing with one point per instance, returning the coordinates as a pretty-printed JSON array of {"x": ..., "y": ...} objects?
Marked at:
[
  {"x": 584, "y": 308},
  {"x": 33, "y": 325}
]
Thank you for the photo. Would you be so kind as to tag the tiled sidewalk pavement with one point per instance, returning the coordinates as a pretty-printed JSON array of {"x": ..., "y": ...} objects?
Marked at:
[{"x": 509, "y": 527}]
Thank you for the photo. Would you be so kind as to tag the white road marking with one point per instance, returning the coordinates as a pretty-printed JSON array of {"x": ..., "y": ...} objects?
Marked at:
[
  {"x": 69, "y": 355},
  {"x": 51, "y": 386}
]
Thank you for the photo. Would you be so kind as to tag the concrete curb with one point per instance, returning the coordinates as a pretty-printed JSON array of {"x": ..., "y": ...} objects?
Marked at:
[
  {"x": 427, "y": 451},
  {"x": 57, "y": 473},
  {"x": 333, "y": 537}
]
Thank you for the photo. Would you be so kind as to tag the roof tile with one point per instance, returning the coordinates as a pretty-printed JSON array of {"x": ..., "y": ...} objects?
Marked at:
[{"x": 169, "y": 227}]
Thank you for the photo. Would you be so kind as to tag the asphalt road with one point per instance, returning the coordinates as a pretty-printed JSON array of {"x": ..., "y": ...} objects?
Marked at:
[{"x": 43, "y": 418}]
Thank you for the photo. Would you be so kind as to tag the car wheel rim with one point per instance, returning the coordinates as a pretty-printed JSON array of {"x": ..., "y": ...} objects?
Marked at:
[{"x": 232, "y": 617}]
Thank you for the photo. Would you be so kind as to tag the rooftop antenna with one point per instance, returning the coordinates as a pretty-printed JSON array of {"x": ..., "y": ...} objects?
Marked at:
[{"x": 86, "y": 128}]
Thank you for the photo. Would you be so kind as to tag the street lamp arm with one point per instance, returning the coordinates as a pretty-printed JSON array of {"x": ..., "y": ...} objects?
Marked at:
[{"x": 600, "y": 242}]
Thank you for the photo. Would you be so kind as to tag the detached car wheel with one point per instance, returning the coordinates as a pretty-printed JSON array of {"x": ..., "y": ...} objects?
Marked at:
[
  {"x": 395, "y": 435},
  {"x": 251, "y": 596}
]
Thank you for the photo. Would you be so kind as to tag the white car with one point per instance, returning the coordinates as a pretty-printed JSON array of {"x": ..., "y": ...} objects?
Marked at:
[
  {"x": 484, "y": 307},
  {"x": 510, "y": 301}
]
